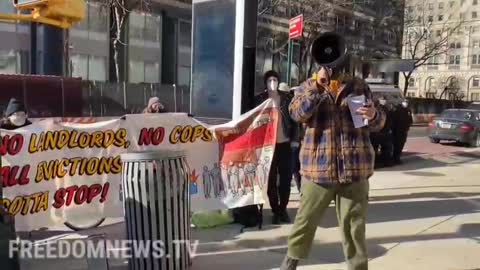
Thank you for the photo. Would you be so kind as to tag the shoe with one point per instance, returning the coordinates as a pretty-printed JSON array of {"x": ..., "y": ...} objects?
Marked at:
[
  {"x": 285, "y": 218},
  {"x": 276, "y": 219},
  {"x": 289, "y": 264}
]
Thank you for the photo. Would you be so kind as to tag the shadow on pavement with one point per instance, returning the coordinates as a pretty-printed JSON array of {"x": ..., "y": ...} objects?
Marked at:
[
  {"x": 424, "y": 187},
  {"x": 396, "y": 211},
  {"x": 424, "y": 162},
  {"x": 438, "y": 195},
  {"x": 415, "y": 163},
  {"x": 268, "y": 253}
]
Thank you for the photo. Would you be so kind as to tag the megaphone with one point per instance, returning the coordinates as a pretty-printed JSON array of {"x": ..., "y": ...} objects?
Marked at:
[{"x": 329, "y": 50}]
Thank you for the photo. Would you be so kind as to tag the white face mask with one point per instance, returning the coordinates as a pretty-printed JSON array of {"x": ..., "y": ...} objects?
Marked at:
[
  {"x": 18, "y": 119},
  {"x": 405, "y": 104},
  {"x": 383, "y": 102},
  {"x": 273, "y": 85}
]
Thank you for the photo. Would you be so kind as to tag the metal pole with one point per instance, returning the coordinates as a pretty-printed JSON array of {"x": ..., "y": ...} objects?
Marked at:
[
  {"x": 175, "y": 96},
  {"x": 289, "y": 64},
  {"x": 290, "y": 49}
]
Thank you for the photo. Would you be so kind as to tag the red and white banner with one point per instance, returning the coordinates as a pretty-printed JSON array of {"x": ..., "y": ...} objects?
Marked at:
[{"x": 57, "y": 173}]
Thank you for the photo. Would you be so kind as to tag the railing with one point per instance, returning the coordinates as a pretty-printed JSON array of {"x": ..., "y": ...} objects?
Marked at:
[
  {"x": 49, "y": 96},
  {"x": 114, "y": 99}
]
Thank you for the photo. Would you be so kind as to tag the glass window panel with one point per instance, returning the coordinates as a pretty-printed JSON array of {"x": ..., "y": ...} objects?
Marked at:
[
  {"x": 184, "y": 76},
  {"x": 6, "y": 6},
  {"x": 79, "y": 65},
  {"x": 152, "y": 28},
  {"x": 8, "y": 62},
  {"x": 97, "y": 18},
  {"x": 152, "y": 72},
  {"x": 136, "y": 71},
  {"x": 476, "y": 82},
  {"x": 136, "y": 26},
  {"x": 97, "y": 68}
]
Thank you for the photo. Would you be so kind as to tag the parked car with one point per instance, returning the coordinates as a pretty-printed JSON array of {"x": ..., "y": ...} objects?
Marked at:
[
  {"x": 474, "y": 106},
  {"x": 459, "y": 125}
]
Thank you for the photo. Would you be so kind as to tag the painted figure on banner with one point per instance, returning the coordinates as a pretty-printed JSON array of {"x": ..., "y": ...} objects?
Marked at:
[
  {"x": 237, "y": 184},
  {"x": 193, "y": 183},
  {"x": 217, "y": 181},
  {"x": 241, "y": 178},
  {"x": 207, "y": 182},
  {"x": 265, "y": 166},
  {"x": 225, "y": 177},
  {"x": 232, "y": 173},
  {"x": 250, "y": 174}
]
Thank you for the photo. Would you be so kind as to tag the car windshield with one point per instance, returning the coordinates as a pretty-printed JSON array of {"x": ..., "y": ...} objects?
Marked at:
[{"x": 460, "y": 115}]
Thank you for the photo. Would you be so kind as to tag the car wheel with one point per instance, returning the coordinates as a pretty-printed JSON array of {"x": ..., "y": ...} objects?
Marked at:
[
  {"x": 432, "y": 140},
  {"x": 476, "y": 141}
]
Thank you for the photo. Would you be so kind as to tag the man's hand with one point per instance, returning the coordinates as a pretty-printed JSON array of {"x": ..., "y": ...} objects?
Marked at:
[
  {"x": 323, "y": 77},
  {"x": 368, "y": 111}
]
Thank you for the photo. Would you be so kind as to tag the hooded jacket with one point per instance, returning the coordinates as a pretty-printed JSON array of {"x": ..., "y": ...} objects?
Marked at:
[
  {"x": 14, "y": 105},
  {"x": 333, "y": 150},
  {"x": 290, "y": 128}
]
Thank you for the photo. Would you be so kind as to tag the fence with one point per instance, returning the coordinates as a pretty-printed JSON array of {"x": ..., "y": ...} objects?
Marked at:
[
  {"x": 424, "y": 109},
  {"x": 49, "y": 96},
  {"x": 115, "y": 99}
]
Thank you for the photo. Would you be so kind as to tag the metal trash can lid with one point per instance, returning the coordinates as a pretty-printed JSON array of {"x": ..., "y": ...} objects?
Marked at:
[{"x": 154, "y": 155}]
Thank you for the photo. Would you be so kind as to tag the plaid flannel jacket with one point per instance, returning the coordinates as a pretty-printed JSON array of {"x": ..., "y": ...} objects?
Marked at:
[{"x": 333, "y": 150}]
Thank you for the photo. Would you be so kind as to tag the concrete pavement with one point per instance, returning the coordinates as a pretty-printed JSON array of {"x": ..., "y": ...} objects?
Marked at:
[{"x": 424, "y": 214}]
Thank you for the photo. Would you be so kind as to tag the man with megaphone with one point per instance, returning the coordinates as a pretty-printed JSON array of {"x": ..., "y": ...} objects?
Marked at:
[{"x": 337, "y": 161}]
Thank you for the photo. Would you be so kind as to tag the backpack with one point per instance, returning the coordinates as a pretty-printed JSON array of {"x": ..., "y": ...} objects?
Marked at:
[{"x": 248, "y": 216}]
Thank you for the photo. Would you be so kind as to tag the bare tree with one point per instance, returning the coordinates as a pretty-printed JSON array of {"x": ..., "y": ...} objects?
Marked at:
[
  {"x": 389, "y": 17},
  {"x": 425, "y": 40},
  {"x": 120, "y": 10},
  {"x": 317, "y": 19}
]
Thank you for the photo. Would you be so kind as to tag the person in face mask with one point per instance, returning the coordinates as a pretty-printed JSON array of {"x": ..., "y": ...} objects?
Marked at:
[
  {"x": 15, "y": 115},
  {"x": 403, "y": 120},
  {"x": 383, "y": 139},
  {"x": 154, "y": 106},
  {"x": 281, "y": 167}
]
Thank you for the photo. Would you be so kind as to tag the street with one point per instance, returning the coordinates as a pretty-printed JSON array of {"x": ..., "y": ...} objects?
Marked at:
[{"x": 424, "y": 214}]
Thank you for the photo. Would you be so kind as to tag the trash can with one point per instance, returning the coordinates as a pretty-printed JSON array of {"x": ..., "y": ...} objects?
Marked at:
[{"x": 156, "y": 201}]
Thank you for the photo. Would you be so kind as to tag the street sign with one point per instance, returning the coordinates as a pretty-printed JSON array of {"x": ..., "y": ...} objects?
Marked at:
[{"x": 296, "y": 27}]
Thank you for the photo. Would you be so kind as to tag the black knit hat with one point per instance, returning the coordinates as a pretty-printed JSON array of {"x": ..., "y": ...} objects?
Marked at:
[
  {"x": 14, "y": 106},
  {"x": 268, "y": 74}
]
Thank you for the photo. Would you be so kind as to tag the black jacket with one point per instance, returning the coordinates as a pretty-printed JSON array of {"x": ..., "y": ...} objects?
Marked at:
[
  {"x": 402, "y": 119},
  {"x": 290, "y": 127}
]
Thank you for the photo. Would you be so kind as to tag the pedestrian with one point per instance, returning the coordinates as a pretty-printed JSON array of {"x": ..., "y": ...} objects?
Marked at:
[
  {"x": 280, "y": 169},
  {"x": 296, "y": 145},
  {"x": 403, "y": 120},
  {"x": 154, "y": 106},
  {"x": 382, "y": 141},
  {"x": 337, "y": 160},
  {"x": 15, "y": 115}
]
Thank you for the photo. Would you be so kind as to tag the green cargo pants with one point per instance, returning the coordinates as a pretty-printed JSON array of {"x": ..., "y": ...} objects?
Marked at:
[{"x": 351, "y": 205}]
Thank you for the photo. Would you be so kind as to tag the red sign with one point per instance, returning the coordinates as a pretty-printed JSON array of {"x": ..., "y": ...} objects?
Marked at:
[{"x": 296, "y": 27}]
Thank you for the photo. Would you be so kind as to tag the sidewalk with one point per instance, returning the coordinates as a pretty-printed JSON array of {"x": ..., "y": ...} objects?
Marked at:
[
  {"x": 419, "y": 219},
  {"x": 424, "y": 214}
]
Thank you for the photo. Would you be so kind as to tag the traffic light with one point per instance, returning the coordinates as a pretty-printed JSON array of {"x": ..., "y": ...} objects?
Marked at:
[{"x": 61, "y": 13}]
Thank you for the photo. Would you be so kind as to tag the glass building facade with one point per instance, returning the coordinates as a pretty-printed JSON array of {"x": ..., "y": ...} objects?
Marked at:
[{"x": 150, "y": 55}]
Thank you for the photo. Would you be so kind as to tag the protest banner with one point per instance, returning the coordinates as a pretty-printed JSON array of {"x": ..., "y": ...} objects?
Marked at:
[{"x": 56, "y": 173}]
